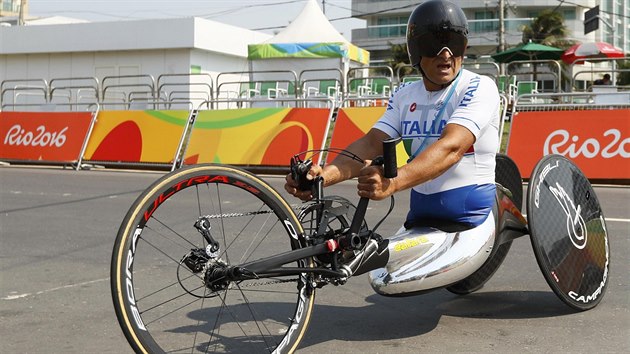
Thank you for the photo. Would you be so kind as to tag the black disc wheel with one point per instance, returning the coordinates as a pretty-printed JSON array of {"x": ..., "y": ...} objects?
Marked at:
[
  {"x": 568, "y": 232},
  {"x": 189, "y": 226}
]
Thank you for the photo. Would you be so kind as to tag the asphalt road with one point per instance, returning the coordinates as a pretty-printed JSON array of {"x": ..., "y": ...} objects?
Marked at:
[{"x": 57, "y": 230}]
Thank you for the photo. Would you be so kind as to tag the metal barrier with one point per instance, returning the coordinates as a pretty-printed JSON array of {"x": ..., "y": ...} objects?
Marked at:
[
  {"x": 313, "y": 83},
  {"x": 39, "y": 93},
  {"x": 76, "y": 86},
  {"x": 233, "y": 88},
  {"x": 361, "y": 83},
  {"x": 188, "y": 87},
  {"x": 572, "y": 101},
  {"x": 593, "y": 69},
  {"x": 149, "y": 84},
  {"x": 529, "y": 68},
  {"x": 503, "y": 114},
  {"x": 21, "y": 85},
  {"x": 488, "y": 68},
  {"x": 48, "y": 107}
]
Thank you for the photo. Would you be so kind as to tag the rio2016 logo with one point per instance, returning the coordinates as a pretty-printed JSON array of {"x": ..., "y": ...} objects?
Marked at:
[
  {"x": 561, "y": 142},
  {"x": 16, "y": 135}
]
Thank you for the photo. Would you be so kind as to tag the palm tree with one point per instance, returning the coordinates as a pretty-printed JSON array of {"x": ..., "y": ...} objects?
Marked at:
[
  {"x": 548, "y": 29},
  {"x": 399, "y": 59}
]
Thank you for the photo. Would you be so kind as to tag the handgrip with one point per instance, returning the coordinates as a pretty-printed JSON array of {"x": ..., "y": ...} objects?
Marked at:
[
  {"x": 390, "y": 170},
  {"x": 390, "y": 165}
]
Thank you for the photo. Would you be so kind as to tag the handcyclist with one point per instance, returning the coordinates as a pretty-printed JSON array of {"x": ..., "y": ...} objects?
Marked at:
[{"x": 448, "y": 123}]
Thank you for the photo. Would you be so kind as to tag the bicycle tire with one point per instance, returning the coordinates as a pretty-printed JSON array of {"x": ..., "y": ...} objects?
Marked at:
[{"x": 162, "y": 305}]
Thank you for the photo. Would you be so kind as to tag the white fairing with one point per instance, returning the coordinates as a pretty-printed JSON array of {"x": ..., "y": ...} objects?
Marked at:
[{"x": 425, "y": 258}]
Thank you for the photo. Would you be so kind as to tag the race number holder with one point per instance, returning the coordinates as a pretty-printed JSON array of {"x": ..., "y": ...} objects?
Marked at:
[{"x": 568, "y": 232}]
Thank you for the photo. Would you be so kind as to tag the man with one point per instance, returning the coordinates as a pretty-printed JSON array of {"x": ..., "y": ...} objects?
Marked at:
[
  {"x": 448, "y": 123},
  {"x": 605, "y": 80}
]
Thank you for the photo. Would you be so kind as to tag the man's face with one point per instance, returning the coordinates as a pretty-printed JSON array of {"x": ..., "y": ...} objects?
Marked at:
[{"x": 441, "y": 69}]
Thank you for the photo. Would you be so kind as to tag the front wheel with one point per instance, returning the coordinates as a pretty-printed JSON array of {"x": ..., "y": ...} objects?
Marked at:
[{"x": 162, "y": 258}]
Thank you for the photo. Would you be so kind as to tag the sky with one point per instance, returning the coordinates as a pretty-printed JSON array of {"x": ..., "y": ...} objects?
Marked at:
[{"x": 265, "y": 15}]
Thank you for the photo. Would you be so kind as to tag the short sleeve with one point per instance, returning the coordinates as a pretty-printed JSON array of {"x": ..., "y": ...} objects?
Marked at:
[
  {"x": 478, "y": 105},
  {"x": 390, "y": 121}
]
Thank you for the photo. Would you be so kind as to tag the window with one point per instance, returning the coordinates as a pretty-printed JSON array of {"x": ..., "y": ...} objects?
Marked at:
[
  {"x": 389, "y": 27},
  {"x": 479, "y": 25},
  {"x": 11, "y": 5},
  {"x": 569, "y": 14},
  {"x": 533, "y": 14}
]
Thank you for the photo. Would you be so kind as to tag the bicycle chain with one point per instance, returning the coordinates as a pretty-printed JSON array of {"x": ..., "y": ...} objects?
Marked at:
[
  {"x": 249, "y": 213},
  {"x": 248, "y": 285}
]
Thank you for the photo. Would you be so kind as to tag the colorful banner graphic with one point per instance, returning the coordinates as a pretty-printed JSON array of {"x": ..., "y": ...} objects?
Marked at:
[
  {"x": 598, "y": 141},
  {"x": 43, "y": 136},
  {"x": 308, "y": 50},
  {"x": 136, "y": 136},
  {"x": 256, "y": 136},
  {"x": 354, "y": 122}
]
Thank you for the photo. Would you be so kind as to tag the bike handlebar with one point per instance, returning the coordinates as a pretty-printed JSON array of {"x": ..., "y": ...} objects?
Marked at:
[
  {"x": 390, "y": 165},
  {"x": 299, "y": 170}
]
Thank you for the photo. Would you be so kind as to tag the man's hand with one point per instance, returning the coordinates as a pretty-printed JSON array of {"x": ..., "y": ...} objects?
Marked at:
[
  {"x": 372, "y": 183},
  {"x": 291, "y": 186}
]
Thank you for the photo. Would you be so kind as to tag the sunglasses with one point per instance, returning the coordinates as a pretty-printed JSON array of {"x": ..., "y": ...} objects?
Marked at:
[{"x": 431, "y": 44}]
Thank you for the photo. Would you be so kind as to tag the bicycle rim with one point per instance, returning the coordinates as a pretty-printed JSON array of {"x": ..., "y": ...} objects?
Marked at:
[{"x": 162, "y": 303}]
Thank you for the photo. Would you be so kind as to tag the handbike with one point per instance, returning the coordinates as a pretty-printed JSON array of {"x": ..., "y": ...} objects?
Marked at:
[{"x": 210, "y": 258}]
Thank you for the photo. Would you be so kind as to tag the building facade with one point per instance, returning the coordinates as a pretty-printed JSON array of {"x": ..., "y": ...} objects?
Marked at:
[
  {"x": 387, "y": 20},
  {"x": 13, "y": 11},
  {"x": 12, "y": 7}
]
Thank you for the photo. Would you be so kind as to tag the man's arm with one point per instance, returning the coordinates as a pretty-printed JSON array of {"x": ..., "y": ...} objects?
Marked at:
[
  {"x": 342, "y": 168},
  {"x": 429, "y": 164},
  {"x": 367, "y": 148}
]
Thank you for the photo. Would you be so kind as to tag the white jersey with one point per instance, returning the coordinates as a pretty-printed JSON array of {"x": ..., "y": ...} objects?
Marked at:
[{"x": 416, "y": 115}]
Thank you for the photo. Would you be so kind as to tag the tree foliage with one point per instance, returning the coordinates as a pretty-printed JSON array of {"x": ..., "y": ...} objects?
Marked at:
[
  {"x": 623, "y": 78},
  {"x": 399, "y": 59},
  {"x": 548, "y": 29}
]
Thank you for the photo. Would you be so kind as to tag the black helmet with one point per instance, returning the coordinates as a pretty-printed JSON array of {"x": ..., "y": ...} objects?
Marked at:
[{"x": 433, "y": 25}]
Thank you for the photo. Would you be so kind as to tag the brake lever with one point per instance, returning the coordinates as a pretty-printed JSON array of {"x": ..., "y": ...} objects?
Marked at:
[{"x": 299, "y": 170}]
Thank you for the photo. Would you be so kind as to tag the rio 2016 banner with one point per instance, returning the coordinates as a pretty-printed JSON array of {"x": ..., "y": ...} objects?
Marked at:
[
  {"x": 55, "y": 137},
  {"x": 136, "y": 136},
  {"x": 598, "y": 141},
  {"x": 354, "y": 122},
  {"x": 256, "y": 136}
]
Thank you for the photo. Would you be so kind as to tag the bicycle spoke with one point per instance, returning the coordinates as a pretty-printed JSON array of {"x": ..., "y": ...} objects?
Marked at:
[
  {"x": 254, "y": 318},
  {"x": 248, "y": 252},
  {"x": 173, "y": 231},
  {"x": 197, "y": 332},
  {"x": 164, "y": 288},
  {"x": 216, "y": 322},
  {"x": 170, "y": 312}
]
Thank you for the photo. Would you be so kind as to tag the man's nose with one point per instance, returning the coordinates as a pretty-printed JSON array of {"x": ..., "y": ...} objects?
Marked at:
[{"x": 445, "y": 53}]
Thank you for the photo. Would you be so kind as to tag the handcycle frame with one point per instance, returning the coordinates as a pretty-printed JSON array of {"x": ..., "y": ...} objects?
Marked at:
[
  {"x": 510, "y": 224},
  {"x": 332, "y": 256}
]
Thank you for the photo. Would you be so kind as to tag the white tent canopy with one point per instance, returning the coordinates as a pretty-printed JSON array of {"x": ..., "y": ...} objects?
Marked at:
[
  {"x": 311, "y": 25},
  {"x": 310, "y": 42}
]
